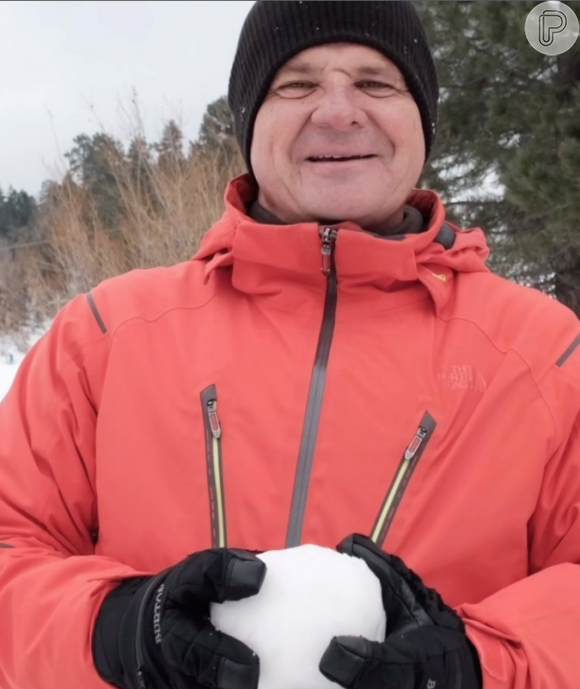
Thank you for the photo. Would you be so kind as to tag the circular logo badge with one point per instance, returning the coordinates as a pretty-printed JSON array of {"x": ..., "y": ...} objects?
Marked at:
[{"x": 552, "y": 28}]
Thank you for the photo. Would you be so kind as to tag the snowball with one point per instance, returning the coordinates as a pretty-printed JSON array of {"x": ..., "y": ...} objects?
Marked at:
[{"x": 309, "y": 595}]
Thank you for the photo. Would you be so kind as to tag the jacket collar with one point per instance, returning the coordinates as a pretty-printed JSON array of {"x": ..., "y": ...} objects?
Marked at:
[
  {"x": 413, "y": 221},
  {"x": 270, "y": 258}
]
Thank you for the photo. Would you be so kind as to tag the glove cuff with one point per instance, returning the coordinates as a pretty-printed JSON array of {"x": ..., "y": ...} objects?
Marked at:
[
  {"x": 113, "y": 616},
  {"x": 123, "y": 640}
]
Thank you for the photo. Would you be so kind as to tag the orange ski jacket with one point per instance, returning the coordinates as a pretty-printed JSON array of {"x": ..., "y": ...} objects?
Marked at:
[{"x": 294, "y": 384}]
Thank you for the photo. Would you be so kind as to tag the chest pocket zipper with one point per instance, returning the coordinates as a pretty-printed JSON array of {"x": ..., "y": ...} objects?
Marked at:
[
  {"x": 401, "y": 480},
  {"x": 213, "y": 450}
]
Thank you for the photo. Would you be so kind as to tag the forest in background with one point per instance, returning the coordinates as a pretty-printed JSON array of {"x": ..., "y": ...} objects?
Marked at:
[{"x": 506, "y": 159}]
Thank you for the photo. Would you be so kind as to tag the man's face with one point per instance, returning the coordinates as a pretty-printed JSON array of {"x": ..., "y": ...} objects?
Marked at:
[{"x": 338, "y": 137}]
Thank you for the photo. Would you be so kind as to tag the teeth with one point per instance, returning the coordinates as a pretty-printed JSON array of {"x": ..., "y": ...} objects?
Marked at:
[{"x": 336, "y": 157}]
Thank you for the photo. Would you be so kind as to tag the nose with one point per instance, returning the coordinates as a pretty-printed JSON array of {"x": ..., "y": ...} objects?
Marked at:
[{"x": 338, "y": 108}]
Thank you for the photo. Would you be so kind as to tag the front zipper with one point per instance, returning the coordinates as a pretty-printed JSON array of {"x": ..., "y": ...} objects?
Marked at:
[
  {"x": 316, "y": 393},
  {"x": 401, "y": 480},
  {"x": 213, "y": 445}
]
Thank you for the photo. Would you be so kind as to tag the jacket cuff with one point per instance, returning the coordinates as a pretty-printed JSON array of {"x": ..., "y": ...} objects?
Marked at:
[{"x": 497, "y": 665}]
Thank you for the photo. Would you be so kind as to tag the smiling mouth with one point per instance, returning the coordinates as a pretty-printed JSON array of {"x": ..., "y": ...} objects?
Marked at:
[{"x": 338, "y": 159}]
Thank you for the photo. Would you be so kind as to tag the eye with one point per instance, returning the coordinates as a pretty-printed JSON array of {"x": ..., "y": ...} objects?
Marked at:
[
  {"x": 377, "y": 88},
  {"x": 295, "y": 89}
]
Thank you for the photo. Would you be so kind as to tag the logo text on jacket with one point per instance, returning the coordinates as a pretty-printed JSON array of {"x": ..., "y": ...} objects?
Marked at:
[{"x": 462, "y": 377}]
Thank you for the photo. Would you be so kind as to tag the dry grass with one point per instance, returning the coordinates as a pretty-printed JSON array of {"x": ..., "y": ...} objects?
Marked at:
[{"x": 161, "y": 215}]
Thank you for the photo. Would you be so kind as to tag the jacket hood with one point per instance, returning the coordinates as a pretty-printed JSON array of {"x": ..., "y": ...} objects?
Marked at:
[{"x": 432, "y": 257}]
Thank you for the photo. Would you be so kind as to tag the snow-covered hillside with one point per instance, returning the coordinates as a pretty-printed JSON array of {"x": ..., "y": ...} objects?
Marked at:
[
  {"x": 11, "y": 356},
  {"x": 10, "y": 359}
]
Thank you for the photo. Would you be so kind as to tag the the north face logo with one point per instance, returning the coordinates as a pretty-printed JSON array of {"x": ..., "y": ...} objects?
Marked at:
[{"x": 462, "y": 377}]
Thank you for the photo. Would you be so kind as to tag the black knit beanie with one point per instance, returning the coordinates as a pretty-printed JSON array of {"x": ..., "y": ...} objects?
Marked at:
[{"x": 276, "y": 30}]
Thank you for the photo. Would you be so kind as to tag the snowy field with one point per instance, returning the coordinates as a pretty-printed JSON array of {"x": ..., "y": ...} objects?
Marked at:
[
  {"x": 11, "y": 356},
  {"x": 10, "y": 359}
]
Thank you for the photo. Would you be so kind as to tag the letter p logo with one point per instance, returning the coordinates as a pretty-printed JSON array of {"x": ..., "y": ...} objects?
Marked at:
[
  {"x": 551, "y": 22},
  {"x": 552, "y": 27}
]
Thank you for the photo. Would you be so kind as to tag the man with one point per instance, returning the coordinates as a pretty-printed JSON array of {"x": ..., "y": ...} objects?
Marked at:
[{"x": 342, "y": 362}]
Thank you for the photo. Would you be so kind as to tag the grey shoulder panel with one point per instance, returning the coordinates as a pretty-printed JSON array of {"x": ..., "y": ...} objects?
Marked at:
[
  {"x": 96, "y": 314},
  {"x": 568, "y": 353}
]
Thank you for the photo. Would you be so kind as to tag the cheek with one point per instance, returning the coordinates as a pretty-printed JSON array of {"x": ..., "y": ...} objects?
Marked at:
[
  {"x": 278, "y": 128},
  {"x": 259, "y": 150},
  {"x": 406, "y": 132},
  {"x": 265, "y": 144}
]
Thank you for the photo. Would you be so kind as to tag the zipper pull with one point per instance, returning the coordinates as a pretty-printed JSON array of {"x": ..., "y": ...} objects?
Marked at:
[
  {"x": 214, "y": 421},
  {"x": 328, "y": 239},
  {"x": 141, "y": 679},
  {"x": 416, "y": 443}
]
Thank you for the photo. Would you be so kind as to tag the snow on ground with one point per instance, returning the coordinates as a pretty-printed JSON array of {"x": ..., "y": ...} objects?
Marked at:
[
  {"x": 12, "y": 352},
  {"x": 10, "y": 360}
]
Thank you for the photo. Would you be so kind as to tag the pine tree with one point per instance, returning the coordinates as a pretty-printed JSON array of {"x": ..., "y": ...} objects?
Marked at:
[
  {"x": 507, "y": 152},
  {"x": 216, "y": 134},
  {"x": 17, "y": 215},
  {"x": 170, "y": 154},
  {"x": 95, "y": 164}
]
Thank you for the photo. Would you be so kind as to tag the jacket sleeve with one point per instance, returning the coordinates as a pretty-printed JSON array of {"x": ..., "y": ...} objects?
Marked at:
[
  {"x": 51, "y": 583},
  {"x": 527, "y": 634}
]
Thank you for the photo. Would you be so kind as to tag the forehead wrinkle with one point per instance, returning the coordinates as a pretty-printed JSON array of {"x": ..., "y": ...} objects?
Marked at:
[
  {"x": 303, "y": 67},
  {"x": 297, "y": 67},
  {"x": 376, "y": 71}
]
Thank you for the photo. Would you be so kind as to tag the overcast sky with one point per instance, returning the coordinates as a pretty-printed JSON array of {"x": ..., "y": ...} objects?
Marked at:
[{"x": 71, "y": 67}]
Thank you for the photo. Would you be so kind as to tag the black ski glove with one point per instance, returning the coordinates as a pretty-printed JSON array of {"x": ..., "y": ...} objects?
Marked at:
[
  {"x": 425, "y": 646},
  {"x": 156, "y": 633}
]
